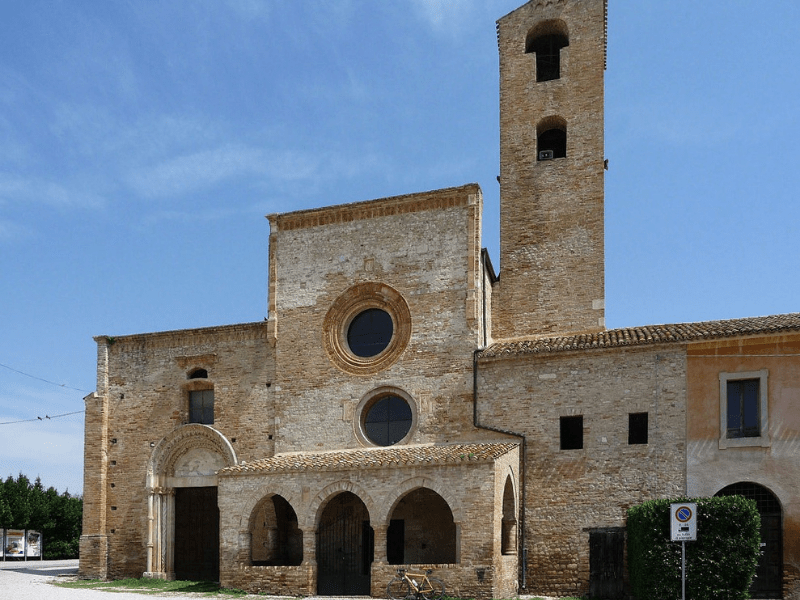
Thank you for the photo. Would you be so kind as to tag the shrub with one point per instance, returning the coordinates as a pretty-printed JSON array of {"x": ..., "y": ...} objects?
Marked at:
[{"x": 720, "y": 565}]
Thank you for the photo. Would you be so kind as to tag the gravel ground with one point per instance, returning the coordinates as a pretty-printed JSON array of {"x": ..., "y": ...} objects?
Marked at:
[{"x": 32, "y": 581}]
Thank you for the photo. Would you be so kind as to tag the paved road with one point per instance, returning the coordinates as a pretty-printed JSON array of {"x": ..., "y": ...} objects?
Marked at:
[{"x": 31, "y": 581}]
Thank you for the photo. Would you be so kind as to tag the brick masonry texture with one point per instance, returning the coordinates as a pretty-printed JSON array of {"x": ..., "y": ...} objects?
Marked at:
[
  {"x": 478, "y": 485},
  {"x": 570, "y": 492},
  {"x": 551, "y": 212}
]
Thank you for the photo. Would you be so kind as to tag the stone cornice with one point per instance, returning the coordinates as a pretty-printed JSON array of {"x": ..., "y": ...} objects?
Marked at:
[
  {"x": 188, "y": 337},
  {"x": 343, "y": 213}
]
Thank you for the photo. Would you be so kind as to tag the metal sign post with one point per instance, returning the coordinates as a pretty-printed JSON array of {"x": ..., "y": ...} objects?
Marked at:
[{"x": 683, "y": 529}]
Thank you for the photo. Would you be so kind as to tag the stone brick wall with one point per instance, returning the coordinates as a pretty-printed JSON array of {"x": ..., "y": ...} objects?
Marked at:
[
  {"x": 468, "y": 488},
  {"x": 147, "y": 398},
  {"x": 94, "y": 542},
  {"x": 569, "y": 492},
  {"x": 425, "y": 248},
  {"x": 551, "y": 212}
]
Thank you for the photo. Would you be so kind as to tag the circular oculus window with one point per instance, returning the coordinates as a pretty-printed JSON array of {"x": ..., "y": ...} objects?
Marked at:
[
  {"x": 370, "y": 332},
  {"x": 387, "y": 421},
  {"x": 384, "y": 417},
  {"x": 367, "y": 328}
]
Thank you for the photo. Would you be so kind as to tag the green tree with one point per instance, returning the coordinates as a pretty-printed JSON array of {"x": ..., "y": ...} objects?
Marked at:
[{"x": 26, "y": 505}]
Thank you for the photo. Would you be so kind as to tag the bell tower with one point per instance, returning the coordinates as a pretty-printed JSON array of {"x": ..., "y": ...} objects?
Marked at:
[{"x": 552, "y": 63}]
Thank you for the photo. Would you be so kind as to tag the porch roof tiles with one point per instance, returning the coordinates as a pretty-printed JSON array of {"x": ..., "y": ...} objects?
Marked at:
[
  {"x": 649, "y": 334},
  {"x": 372, "y": 458}
]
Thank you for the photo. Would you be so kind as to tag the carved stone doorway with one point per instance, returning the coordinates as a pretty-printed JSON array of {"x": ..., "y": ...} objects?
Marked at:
[{"x": 183, "y": 517}]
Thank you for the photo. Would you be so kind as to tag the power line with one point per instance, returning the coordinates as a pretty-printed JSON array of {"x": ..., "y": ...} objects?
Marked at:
[
  {"x": 61, "y": 385},
  {"x": 46, "y": 417}
]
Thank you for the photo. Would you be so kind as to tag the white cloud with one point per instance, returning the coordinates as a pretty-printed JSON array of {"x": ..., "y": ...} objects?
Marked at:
[
  {"x": 17, "y": 190},
  {"x": 205, "y": 169},
  {"x": 202, "y": 170}
]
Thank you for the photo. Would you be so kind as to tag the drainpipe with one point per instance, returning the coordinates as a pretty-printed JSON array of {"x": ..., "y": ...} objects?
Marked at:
[{"x": 522, "y": 575}]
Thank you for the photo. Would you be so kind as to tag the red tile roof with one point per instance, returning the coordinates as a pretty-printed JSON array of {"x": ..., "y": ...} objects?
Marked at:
[
  {"x": 650, "y": 334},
  {"x": 367, "y": 458}
]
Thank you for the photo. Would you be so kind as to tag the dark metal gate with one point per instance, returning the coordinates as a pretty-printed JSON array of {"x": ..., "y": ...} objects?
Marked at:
[
  {"x": 768, "y": 582},
  {"x": 344, "y": 548},
  {"x": 606, "y": 562},
  {"x": 196, "y": 534}
]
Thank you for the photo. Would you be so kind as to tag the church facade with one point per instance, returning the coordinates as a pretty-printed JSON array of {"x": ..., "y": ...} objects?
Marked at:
[{"x": 403, "y": 406}]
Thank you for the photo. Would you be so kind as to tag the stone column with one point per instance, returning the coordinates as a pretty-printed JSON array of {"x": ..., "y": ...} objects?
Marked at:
[
  {"x": 168, "y": 532},
  {"x": 379, "y": 536},
  {"x": 309, "y": 547},
  {"x": 245, "y": 553},
  {"x": 509, "y": 536},
  {"x": 150, "y": 534}
]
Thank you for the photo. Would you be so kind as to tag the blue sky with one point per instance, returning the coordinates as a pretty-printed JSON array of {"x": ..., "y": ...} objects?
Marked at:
[{"x": 142, "y": 143}]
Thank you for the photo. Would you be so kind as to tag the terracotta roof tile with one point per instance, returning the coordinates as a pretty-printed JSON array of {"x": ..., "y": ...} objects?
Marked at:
[
  {"x": 374, "y": 458},
  {"x": 649, "y": 334}
]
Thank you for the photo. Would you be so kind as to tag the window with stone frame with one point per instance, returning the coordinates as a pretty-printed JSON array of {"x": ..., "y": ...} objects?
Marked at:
[
  {"x": 201, "y": 406},
  {"x": 743, "y": 405},
  {"x": 743, "y": 420}
]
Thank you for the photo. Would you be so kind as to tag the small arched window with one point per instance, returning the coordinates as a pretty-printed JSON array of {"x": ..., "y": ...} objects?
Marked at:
[
  {"x": 551, "y": 139},
  {"x": 198, "y": 374},
  {"x": 546, "y": 41}
]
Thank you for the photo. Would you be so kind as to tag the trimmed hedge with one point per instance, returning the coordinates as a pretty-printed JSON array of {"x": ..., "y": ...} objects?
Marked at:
[{"x": 720, "y": 565}]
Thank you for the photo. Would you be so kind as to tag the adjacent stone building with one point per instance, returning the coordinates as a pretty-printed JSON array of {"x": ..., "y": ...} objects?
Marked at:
[{"x": 404, "y": 406}]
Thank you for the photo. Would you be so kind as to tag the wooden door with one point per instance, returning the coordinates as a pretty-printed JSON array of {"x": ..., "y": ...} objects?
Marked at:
[
  {"x": 196, "y": 534},
  {"x": 606, "y": 562}
]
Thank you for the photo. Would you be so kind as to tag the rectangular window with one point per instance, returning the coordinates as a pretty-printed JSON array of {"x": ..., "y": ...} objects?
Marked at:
[
  {"x": 743, "y": 419},
  {"x": 572, "y": 433},
  {"x": 743, "y": 409},
  {"x": 201, "y": 407},
  {"x": 637, "y": 428}
]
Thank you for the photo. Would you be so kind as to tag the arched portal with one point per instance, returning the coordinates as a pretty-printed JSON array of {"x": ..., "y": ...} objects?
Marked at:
[
  {"x": 183, "y": 517},
  {"x": 276, "y": 538},
  {"x": 768, "y": 582},
  {"x": 421, "y": 530},
  {"x": 344, "y": 547}
]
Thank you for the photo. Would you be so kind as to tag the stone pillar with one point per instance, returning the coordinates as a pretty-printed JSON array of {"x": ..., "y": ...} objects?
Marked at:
[
  {"x": 161, "y": 533},
  {"x": 309, "y": 547},
  {"x": 509, "y": 536},
  {"x": 245, "y": 553},
  {"x": 94, "y": 539},
  {"x": 379, "y": 536},
  {"x": 150, "y": 534},
  {"x": 168, "y": 532},
  {"x": 458, "y": 542}
]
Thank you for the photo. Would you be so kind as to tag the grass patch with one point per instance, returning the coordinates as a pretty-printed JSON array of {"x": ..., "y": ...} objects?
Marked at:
[{"x": 154, "y": 586}]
